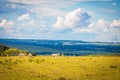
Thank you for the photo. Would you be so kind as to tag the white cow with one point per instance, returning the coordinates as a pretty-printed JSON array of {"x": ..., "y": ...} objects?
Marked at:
[
  {"x": 30, "y": 55},
  {"x": 55, "y": 55},
  {"x": 22, "y": 54}
]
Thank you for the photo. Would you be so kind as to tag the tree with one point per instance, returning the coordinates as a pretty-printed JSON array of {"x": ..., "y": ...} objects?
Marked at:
[
  {"x": 11, "y": 52},
  {"x": 3, "y": 48}
]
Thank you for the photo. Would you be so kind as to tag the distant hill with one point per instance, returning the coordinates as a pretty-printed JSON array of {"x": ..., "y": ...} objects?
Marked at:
[{"x": 68, "y": 47}]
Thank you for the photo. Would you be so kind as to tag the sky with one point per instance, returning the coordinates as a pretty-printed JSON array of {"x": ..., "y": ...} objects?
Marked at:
[{"x": 86, "y": 20}]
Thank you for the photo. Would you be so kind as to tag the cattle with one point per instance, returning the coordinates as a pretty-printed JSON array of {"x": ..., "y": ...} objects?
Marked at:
[
  {"x": 30, "y": 55},
  {"x": 22, "y": 54},
  {"x": 55, "y": 55}
]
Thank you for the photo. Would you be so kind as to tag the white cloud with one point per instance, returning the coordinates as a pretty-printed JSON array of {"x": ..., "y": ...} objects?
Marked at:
[
  {"x": 107, "y": 10},
  {"x": 10, "y": 23},
  {"x": 116, "y": 23},
  {"x": 78, "y": 22},
  {"x": 14, "y": 6},
  {"x": 32, "y": 22},
  {"x": 101, "y": 26},
  {"x": 11, "y": 5},
  {"x": 46, "y": 7},
  {"x": 55, "y": 2},
  {"x": 5, "y": 23},
  {"x": 46, "y": 2},
  {"x": 74, "y": 19},
  {"x": 114, "y": 4},
  {"x": 46, "y": 11},
  {"x": 23, "y": 17},
  {"x": 6, "y": 27},
  {"x": 103, "y": 29}
]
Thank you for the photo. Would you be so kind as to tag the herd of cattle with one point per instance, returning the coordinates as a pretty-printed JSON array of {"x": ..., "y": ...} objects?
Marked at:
[{"x": 31, "y": 56}]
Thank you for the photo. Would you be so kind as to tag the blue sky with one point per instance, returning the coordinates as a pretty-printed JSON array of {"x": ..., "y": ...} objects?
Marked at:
[{"x": 86, "y": 20}]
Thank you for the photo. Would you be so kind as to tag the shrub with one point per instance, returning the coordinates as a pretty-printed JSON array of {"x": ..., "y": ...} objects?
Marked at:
[
  {"x": 40, "y": 61},
  {"x": 3, "y": 48},
  {"x": 62, "y": 78},
  {"x": 6, "y": 60},
  {"x": 113, "y": 66},
  {"x": 11, "y": 52},
  {"x": 30, "y": 60}
]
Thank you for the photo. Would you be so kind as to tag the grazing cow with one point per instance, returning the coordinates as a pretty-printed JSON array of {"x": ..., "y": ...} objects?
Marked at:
[
  {"x": 30, "y": 55},
  {"x": 55, "y": 55}
]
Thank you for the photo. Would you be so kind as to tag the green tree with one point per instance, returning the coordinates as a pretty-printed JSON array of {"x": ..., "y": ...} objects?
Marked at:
[
  {"x": 3, "y": 48},
  {"x": 11, "y": 52}
]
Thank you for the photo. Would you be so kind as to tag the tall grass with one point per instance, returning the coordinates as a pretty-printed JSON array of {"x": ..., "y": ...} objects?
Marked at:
[{"x": 60, "y": 68}]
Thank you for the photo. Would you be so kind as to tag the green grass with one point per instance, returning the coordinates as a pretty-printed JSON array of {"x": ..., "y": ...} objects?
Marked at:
[{"x": 60, "y": 68}]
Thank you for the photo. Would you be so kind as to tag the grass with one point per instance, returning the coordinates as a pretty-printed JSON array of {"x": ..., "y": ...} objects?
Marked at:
[{"x": 60, "y": 68}]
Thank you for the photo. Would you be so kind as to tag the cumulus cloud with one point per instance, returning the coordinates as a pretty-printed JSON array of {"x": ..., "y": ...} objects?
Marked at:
[
  {"x": 116, "y": 23},
  {"x": 100, "y": 26},
  {"x": 78, "y": 22},
  {"x": 23, "y": 17},
  {"x": 103, "y": 29},
  {"x": 5, "y": 23},
  {"x": 74, "y": 19},
  {"x": 6, "y": 28}
]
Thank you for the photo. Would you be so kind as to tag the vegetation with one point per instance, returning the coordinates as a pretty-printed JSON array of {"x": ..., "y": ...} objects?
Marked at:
[
  {"x": 60, "y": 68},
  {"x": 68, "y": 47},
  {"x": 6, "y": 51},
  {"x": 47, "y": 51},
  {"x": 3, "y": 48},
  {"x": 11, "y": 52},
  {"x": 100, "y": 66}
]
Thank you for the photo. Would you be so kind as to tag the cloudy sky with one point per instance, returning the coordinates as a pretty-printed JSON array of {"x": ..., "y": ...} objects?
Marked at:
[{"x": 87, "y": 20}]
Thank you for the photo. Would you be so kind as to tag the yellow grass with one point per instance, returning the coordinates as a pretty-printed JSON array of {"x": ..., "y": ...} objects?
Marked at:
[{"x": 60, "y": 68}]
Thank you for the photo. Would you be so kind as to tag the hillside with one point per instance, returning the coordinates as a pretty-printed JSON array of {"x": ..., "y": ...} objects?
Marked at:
[{"x": 68, "y": 47}]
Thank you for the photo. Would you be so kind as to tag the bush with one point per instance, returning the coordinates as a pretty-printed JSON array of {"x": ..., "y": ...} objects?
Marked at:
[
  {"x": 113, "y": 66},
  {"x": 62, "y": 78},
  {"x": 30, "y": 60},
  {"x": 11, "y": 52},
  {"x": 3, "y": 48},
  {"x": 40, "y": 61}
]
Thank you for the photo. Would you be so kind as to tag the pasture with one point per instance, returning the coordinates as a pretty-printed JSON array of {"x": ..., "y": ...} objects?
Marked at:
[{"x": 60, "y": 68}]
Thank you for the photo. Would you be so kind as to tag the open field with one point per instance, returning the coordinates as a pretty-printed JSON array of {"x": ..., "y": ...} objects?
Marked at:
[{"x": 60, "y": 68}]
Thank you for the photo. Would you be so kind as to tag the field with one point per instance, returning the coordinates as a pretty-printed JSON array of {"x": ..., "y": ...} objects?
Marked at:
[{"x": 60, "y": 68}]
